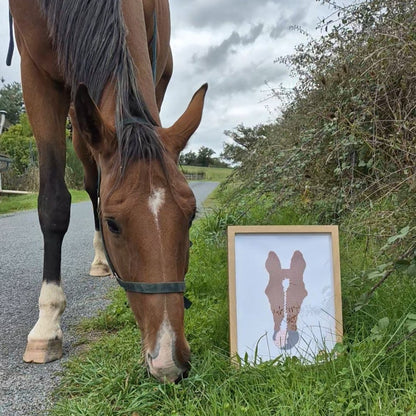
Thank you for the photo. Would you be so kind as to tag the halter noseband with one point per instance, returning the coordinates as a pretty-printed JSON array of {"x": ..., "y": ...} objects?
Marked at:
[{"x": 138, "y": 287}]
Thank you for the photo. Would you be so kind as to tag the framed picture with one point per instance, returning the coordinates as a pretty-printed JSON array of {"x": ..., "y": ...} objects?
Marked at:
[{"x": 284, "y": 291}]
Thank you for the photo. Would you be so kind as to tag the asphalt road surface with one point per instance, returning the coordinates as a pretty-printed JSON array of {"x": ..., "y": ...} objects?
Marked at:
[{"x": 25, "y": 389}]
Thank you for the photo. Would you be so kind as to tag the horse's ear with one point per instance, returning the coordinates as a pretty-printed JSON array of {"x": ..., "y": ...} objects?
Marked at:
[
  {"x": 88, "y": 118},
  {"x": 273, "y": 263},
  {"x": 176, "y": 137},
  {"x": 297, "y": 263}
]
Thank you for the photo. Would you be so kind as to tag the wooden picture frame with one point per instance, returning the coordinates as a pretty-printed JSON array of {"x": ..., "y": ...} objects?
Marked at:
[{"x": 284, "y": 291}]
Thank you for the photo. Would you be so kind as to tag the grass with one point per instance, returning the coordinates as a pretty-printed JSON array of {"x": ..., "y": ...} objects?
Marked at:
[
  {"x": 13, "y": 203},
  {"x": 211, "y": 174},
  {"x": 365, "y": 379}
]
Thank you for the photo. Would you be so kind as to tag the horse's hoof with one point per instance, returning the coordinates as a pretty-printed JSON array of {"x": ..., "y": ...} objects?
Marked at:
[
  {"x": 41, "y": 352},
  {"x": 99, "y": 270}
]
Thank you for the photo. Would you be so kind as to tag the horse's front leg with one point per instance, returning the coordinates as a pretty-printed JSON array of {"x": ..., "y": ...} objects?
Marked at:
[
  {"x": 47, "y": 106},
  {"x": 99, "y": 266}
]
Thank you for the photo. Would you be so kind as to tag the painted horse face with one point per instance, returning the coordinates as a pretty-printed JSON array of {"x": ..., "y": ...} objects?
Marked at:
[
  {"x": 285, "y": 305},
  {"x": 145, "y": 214}
]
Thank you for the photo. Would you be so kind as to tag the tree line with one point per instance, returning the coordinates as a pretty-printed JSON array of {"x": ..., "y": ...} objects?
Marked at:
[
  {"x": 19, "y": 144},
  {"x": 203, "y": 157}
]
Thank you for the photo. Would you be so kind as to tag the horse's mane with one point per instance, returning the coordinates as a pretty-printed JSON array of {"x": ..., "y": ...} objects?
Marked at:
[{"x": 90, "y": 40}]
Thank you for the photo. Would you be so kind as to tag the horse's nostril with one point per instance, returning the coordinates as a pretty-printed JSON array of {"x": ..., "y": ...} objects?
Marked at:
[{"x": 185, "y": 374}]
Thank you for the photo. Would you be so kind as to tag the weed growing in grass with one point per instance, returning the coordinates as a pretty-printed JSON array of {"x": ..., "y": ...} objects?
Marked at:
[{"x": 365, "y": 379}]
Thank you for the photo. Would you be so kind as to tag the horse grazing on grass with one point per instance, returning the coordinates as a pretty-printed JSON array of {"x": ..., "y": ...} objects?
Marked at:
[{"x": 107, "y": 63}]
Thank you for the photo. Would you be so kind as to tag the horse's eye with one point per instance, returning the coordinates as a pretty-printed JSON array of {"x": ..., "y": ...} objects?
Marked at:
[
  {"x": 113, "y": 226},
  {"x": 192, "y": 219}
]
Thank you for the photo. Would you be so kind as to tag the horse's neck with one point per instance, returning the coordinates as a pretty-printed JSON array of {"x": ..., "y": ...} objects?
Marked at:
[
  {"x": 149, "y": 8},
  {"x": 138, "y": 47}
]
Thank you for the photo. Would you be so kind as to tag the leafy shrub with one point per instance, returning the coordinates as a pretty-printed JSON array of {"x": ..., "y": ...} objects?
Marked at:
[
  {"x": 346, "y": 134},
  {"x": 11, "y": 101},
  {"x": 74, "y": 173},
  {"x": 343, "y": 149},
  {"x": 20, "y": 145}
]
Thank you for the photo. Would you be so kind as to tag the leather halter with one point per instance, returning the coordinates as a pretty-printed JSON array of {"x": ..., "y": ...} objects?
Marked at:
[{"x": 137, "y": 287}]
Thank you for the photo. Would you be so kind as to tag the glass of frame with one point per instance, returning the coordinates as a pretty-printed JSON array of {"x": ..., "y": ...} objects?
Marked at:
[{"x": 284, "y": 291}]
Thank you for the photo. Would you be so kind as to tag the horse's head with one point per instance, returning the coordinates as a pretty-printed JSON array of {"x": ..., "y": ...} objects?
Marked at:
[{"x": 146, "y": 212}]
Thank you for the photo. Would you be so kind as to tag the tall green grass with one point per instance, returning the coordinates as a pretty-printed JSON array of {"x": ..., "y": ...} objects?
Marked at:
[{"x": 365, "y": 379}]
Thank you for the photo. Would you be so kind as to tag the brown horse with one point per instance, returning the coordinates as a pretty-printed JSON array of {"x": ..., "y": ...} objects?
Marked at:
[{"x": 107, "y": 63}]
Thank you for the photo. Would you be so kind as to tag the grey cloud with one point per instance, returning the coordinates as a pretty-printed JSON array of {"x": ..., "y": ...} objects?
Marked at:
[
  {"x": 212, "y": 13},
  {"x": 255, "y": 32},
  {"x": 278, "y": 30},
  {"x": 283, "y": 24},
  {"x": 218, "y": 54},
  {"x": 248, "y": 79},
  {"x": 202, "y": 13}
]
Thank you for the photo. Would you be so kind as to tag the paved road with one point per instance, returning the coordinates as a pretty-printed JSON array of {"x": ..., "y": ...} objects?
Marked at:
[
  {"x": 201, "y": 191},
  {"x": 25, "y": 388}
]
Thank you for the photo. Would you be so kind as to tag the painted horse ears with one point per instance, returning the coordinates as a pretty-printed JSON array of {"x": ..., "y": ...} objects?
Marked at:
[
  {"x": 88, "y": 117},
  {"x": 273, "y": 263},
  {"x": 176, "y": 137},
  {"x": 298, "y": 264}
]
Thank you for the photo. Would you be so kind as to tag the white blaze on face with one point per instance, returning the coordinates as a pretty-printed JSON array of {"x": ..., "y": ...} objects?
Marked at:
[
  {"x": 52, "y": 303},
  {"x": 161, "y": 362},
  {"x": 155, "y": 203},
  {"x": 156, "y": 200}
]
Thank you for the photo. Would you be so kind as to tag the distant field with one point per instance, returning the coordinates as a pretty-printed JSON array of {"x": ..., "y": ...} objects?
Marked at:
[
  {"x": 13, "y": 203},
  {"x": 211, "y": 174}
]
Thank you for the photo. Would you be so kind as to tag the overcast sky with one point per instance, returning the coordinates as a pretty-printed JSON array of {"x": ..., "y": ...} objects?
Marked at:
[{"x": 232, "y": 45}]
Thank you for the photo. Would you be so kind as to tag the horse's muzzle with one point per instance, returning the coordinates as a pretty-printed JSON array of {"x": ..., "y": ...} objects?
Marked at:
[{"x": 166, "y": 371}]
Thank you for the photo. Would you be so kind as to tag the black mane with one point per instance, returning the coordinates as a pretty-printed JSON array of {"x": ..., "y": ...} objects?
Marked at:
[{"x": 90, "y": 41}]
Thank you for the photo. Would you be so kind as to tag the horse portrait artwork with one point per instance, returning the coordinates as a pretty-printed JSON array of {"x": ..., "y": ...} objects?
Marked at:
[
  {"x": 285, "y": 303},
  {"x": 107, "y": 64}
]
